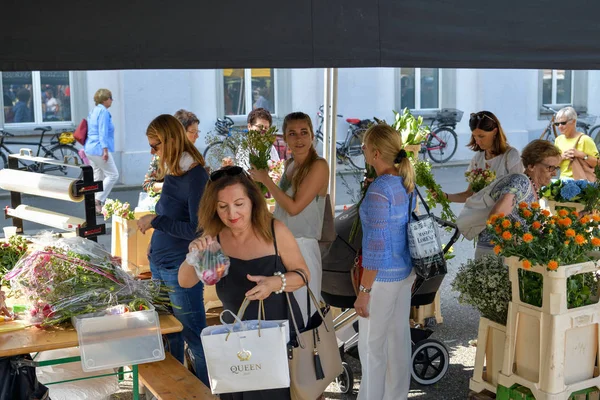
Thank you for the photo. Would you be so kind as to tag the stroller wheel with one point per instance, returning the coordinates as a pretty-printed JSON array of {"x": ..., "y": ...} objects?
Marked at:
[
  {"x": 429, "y": 362},
  {"x": 345, "y": 380}
]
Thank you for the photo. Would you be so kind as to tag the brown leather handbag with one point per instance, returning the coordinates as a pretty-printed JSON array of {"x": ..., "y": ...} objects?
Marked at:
[
  {"x": 314, "y": 358},
  {"x": 581, "y": 169}
]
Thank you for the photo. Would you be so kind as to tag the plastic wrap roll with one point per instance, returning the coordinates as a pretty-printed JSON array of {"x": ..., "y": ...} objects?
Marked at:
[
  {"x": 56, "y": 187},
  {"x": 46, "y": 217}
]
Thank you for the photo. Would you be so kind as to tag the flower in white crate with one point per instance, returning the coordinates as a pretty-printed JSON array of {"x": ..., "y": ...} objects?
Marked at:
[{"x": 115, "y": 207}]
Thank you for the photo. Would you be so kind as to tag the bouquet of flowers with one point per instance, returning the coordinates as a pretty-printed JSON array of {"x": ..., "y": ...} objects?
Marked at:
[
  {"x": 10, "y": 253},
  {"x": 115, "y": 207},
  {"x": 545, "y": 239},
  {"x": 276, "y": 170},
  {"x": 580, "y": 191},
  {"x": 211, "y": 265},
  {"x": 479, "y": 178},
  {"x": 258, "y": 144},
  {"x": 485, "y": 285},
  {"x": 75, "y": 276}
]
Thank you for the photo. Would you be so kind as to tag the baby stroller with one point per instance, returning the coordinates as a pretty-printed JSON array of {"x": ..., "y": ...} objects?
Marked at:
[{"x": 429, "y": 356}]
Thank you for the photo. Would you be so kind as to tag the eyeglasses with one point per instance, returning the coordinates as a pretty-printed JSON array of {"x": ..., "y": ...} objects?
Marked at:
[
  {"x": 194, "y": 132},
  {"x": 226, "y": 171},
  {"x": 155, "y": 146},
  {"x": 562, "y": 122},
  {"x": 478, "y": 117},
  {"x": 551, "y": 168},
  {"x": 261, "y": 127},
  {"x": 110, "y": 98}
]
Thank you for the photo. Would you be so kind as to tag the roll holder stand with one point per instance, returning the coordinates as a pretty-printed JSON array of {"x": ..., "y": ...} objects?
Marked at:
[{"x": 85, "y": 186}]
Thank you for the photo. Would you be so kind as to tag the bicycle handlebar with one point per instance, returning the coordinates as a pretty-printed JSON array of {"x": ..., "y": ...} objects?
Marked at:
[{"x": 4, "y": 133}]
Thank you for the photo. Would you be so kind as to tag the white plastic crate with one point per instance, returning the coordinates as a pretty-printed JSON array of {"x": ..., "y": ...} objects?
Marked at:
[
  {"x": 112, "y": 341},
  {"x": 491, "y": 341}
]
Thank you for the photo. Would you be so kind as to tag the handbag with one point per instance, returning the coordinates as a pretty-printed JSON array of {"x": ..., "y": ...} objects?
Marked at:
[
  {"x": 328, "y": 233},
  {"x": 247, "y": 355},
  {"x": 424, "y": 244},
  {"x": 472, "y": 219},
  {"x": 314, "y": 356},
  {"x": 356, "y": 272},
  {"x": 580, "y": 168},
  {"x": 80, "y": 133}
]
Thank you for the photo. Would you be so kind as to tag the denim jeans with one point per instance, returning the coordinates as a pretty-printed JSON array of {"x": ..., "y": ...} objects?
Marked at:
[{"x": 188, "y": 308}]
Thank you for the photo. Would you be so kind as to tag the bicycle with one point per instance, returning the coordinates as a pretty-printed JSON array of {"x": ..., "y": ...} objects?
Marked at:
[
  {"x": 56, "y": 148},
  {"x": 442, "y": 141},
  {"x": 584, "y": 124},
  {"x": 350, "y": 149},
  {"x": 224, "y": 145}
]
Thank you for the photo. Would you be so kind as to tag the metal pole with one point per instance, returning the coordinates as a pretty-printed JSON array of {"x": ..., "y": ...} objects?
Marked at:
[
  {"x": 326, "y": 116},
  {"x": 332, "y": 147}
]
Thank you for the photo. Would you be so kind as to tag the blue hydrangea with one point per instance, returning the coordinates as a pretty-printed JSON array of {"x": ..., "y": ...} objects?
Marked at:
[
  {"x": 582, "y": 184},
  {"x": 570, "y": 190}
]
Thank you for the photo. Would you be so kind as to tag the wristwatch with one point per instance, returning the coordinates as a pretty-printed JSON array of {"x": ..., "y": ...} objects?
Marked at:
[
  {"x": 364, "y": 289},
  {"x": 585, "y": 157}
]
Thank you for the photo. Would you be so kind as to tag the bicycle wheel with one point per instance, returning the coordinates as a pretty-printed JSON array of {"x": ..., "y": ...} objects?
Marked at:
[
  {"x": 442, "y": 144},
  {"x": 216, "y": 152},
  {"x": 354, "y": 150},
  {"x": 582, "y": 127},
  {"x": 59, "y": 152},
  {"x": 3, "y": 161},
  {"x": 595, "y": 134}
]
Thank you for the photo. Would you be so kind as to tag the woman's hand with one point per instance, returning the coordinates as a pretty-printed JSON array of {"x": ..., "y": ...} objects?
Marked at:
[
  {"x": 361, "y": 305},
  {"x": 157, "y": 187},
  {"x": 105, "y": 155},
  {"x": 573, "y": 153},
  {"x": 201, "y": 243},
  {"x": 145, "y": 222},
  {"x": 260, "y": 175},
  {"x": 265, "y": 285}
]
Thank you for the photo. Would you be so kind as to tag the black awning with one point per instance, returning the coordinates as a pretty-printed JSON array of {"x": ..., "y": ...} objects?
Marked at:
[{"x": 156, "y": 34}]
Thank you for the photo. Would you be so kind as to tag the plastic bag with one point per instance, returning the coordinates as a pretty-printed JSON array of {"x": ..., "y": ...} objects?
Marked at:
[
  {"x": 146, "y": 202},
  {"x": 18, "y": 380},
  {"x": 211, "y": 264}
]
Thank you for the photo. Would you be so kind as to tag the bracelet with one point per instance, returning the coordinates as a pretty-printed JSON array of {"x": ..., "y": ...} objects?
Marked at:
[
  {"x": 283, "y": 282},
  {"x": 446, "y": 194}
]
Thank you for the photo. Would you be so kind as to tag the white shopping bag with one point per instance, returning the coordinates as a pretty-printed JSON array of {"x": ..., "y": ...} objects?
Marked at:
[{"x": 247, "y": 356}]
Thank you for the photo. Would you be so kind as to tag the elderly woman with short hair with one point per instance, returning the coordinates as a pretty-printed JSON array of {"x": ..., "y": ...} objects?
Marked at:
[
  {"x": 572, "y": 144},
  {"x": 541, "y": 160}
]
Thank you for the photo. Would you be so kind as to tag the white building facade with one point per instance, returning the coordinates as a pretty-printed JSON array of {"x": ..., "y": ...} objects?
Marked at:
[{"x": 515, "y": 96}]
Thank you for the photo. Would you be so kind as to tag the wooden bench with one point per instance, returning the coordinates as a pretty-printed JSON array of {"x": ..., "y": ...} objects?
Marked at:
[{"x": 170, "y": 380}]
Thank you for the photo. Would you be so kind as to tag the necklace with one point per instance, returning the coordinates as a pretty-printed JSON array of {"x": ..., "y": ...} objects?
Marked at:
[{"x": 535, "y": 188}]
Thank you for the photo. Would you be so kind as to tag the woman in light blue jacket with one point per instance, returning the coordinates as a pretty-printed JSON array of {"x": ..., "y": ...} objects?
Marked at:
[{"x": 100, "y": 143}]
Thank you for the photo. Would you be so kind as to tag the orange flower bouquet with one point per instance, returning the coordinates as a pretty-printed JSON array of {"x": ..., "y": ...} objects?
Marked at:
[{"x": 545, "y": 239}]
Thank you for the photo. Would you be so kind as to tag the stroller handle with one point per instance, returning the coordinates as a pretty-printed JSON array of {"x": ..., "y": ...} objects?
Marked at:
[{"x": 448, "y": 224}]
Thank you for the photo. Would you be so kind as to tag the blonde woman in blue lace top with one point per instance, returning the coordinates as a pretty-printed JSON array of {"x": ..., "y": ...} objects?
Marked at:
[{"x": 383, "y": 302}]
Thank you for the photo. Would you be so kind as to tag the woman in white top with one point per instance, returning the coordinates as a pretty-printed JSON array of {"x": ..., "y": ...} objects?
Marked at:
[
  {"x": 301, "y": 196},
  {"x": 489, "y": 142}
]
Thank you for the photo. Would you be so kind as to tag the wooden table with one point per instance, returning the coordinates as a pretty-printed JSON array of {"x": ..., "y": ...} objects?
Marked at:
[{"x": 32, "y": 340}]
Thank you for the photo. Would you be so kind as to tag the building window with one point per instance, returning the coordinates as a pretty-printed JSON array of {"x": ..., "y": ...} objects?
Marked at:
[
  {"x": 557, "y": 86},
  {"x": 36, "y": 97},
  {"x": 420, "y": 88},
  {"x": 247, "y": 89}
]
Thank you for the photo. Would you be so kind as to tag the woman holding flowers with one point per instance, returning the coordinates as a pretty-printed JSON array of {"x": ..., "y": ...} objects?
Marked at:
[
  {"x": 175, "y": 224},
  {"x": 301, "y": 193},
  {"x": 541, "y": 160},
  {"x": 383, "y": 301},
  {"x": 493, "y": 154},
  {"x": 573, "y": 145}
]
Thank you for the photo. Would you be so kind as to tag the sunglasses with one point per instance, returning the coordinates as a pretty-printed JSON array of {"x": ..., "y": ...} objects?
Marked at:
[
  {"x": 563, "y": 123},
  {"x": 476, "y": 119},
  {"x": 155, "y": 146},
  {"x": 227, "y": 171}
]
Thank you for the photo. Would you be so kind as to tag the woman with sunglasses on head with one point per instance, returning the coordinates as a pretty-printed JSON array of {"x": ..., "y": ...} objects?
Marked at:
[
  {"x": 175, "y": 225},
  {"x": 541, "y": 160},
  {"x": 99, "y": 145},
  {"x": 262, "y": 252},
  {"x": 383, "y": 301},
  {"x": 573, "y": 144},
  {"x": 489, "y": 142},
  {"x": 300, "y": 195},
  {"x": 190, "y": 122}
]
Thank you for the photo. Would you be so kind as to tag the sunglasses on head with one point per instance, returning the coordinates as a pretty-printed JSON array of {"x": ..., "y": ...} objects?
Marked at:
[
  {"x": 562, "y": 122},
  {"x": 227, "y": 171}
]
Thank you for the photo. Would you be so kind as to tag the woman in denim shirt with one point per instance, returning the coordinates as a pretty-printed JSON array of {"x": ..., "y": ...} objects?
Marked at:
[{"x": 383, "y": 302}]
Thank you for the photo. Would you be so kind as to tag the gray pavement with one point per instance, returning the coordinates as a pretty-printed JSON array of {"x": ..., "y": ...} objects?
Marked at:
[{"x": 460, "y": 322}]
